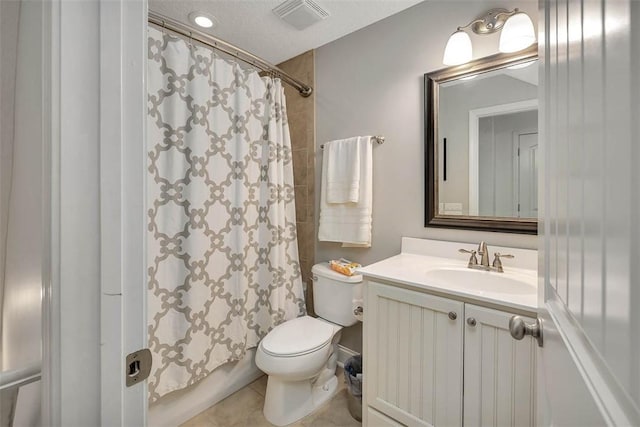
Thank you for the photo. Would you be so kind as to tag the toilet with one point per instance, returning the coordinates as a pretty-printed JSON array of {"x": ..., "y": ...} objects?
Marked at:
[{"x": 300, "y": 355}]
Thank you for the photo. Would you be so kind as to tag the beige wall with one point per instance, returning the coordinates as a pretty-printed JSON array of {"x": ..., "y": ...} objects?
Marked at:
[
  {"x": 301, "y": 115},
  {"x": 371, "y": 82}
]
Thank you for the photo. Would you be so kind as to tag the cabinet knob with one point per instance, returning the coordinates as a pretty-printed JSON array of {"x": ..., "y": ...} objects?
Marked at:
[
  {"x": 453, "y": 315},
  {"x": 519, "y": 328},
  {"x": 471, "y": 321}
]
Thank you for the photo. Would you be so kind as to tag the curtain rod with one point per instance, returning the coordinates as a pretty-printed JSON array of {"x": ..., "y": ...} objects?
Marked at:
[{"x": 226, "y": 47}]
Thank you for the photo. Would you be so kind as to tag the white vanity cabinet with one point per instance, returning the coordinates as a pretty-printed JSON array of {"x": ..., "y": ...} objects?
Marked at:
[{"x": 419, "y": 347}]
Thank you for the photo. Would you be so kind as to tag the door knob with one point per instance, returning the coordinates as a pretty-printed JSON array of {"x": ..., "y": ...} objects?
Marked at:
[{"x": 519, "y": 328}]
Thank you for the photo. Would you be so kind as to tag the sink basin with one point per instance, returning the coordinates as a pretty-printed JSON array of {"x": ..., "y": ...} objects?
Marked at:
[{"x": 483, "y": 281}]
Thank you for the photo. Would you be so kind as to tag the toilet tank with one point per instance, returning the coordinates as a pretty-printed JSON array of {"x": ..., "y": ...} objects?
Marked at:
[{"x": 335, "y": 295}]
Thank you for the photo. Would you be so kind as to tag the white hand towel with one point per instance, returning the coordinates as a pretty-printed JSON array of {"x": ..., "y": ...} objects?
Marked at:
[
  {"x": 349, "y": 223},
  {"x": 343, "y": 170}
]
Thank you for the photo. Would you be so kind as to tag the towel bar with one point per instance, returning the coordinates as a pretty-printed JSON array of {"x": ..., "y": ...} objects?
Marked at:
[
  {"x": 379, "y": 139},
  {"x": 19, "y": 377}
]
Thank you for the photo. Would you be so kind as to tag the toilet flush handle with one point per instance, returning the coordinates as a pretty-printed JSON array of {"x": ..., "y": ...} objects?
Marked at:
[{"x": 358, "y": 311}]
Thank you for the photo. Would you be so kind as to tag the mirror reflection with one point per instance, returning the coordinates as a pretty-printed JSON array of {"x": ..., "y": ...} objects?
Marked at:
[{"x": 487, "y": 153}]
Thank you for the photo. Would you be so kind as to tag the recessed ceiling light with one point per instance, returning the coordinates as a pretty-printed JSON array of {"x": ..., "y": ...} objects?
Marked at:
[{"x": 203, "y": 20}]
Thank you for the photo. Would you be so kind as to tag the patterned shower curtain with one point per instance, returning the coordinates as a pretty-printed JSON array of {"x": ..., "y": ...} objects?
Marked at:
[{"x": 222, "y": 249}]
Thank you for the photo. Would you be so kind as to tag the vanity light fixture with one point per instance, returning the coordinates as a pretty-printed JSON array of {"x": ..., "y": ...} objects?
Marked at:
[
  {"x": 458, "y": 50},
  {"x": 203, "y": 20},
  {"x": 517, "y": 33}
]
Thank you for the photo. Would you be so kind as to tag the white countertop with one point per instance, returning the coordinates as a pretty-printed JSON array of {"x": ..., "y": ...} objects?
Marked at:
[{"x": 413, "y": 269}]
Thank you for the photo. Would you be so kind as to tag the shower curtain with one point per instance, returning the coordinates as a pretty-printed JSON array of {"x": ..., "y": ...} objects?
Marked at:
[{"x": 222, "y": 248}]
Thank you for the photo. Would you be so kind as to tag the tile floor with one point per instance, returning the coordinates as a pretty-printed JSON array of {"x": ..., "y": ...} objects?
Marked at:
[{"x": 244, "y": 409}]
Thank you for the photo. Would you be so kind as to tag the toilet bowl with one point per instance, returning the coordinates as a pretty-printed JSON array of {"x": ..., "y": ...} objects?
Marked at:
[
  {"x": 299, "y": 374},
  {"x": 300, "y": 355}
]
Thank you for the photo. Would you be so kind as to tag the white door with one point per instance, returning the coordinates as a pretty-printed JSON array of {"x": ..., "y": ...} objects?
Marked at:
[
  {"x": 527, "y": 175},
  {"x": 589, "y": 366},
  {"x": 416, "y": 376},
  {"x": 499, "y": 372}
]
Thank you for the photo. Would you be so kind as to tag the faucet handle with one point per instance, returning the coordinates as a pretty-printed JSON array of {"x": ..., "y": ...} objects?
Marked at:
[
  {"x": 497, "y": 262},
  {"x": 473, "y": 260},
  {"x": 499, "y": 255}
]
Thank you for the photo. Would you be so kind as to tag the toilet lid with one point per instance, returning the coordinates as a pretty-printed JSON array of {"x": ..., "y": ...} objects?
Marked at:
[{"x": 297, "y": 336}]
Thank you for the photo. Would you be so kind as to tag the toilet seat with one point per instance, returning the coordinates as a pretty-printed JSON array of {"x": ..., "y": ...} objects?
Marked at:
[{"x": 297, "y": 337}]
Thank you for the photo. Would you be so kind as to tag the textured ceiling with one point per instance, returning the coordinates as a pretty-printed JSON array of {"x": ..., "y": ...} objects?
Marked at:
[{"x": 251, "y": 25}]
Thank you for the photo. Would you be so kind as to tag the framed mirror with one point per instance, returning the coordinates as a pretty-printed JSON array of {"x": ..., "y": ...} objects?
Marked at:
[{"x": 481, "y": 131}]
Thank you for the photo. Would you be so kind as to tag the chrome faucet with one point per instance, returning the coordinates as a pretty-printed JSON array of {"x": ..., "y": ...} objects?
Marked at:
[{"x": 483, "y": 251}]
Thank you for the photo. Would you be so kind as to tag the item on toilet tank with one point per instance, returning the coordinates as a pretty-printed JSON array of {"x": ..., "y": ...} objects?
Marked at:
[{"x": 344, "y": 266}]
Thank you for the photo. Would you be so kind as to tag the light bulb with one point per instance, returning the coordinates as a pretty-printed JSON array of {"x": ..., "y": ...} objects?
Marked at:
[
  {"x": 458, "y": 49},
  {"x": 203, "y": 20},
  {"x": 517, "y": 34}
]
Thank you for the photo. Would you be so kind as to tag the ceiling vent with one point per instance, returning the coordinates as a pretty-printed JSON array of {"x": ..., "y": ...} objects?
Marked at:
[{"x": 300, "y": 13}]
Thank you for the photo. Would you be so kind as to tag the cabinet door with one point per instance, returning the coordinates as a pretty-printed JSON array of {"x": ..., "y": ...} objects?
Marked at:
[
  {"x": 499, "y": 371},
  {"x": 376, "y": 419},
  {"x": 413, "y": 356}
]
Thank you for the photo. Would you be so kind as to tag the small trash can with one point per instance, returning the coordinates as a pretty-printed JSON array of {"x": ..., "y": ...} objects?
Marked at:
[{"x": 353, "y": 377}]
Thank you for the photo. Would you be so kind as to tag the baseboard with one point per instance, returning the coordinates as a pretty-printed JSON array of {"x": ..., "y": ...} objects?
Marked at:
[{"x": 343, "y": 354}]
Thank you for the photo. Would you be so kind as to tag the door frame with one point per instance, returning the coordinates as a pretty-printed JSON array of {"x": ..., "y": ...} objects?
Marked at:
[
  {"x": 516, "y": 165},
  {"x": 94, "y": 79}
]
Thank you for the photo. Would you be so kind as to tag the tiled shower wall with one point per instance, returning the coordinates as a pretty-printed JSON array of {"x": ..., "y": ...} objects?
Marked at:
[{"x": 301, "y": 114}]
